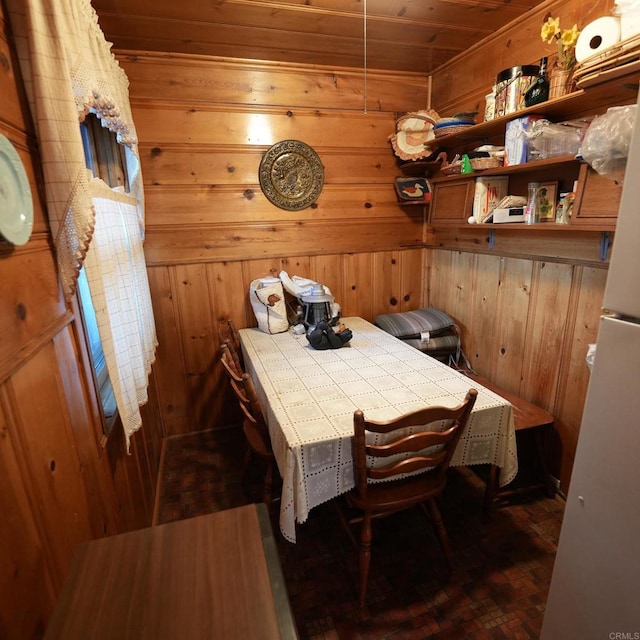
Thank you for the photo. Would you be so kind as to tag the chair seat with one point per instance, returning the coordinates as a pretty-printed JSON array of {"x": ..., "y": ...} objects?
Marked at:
[{"x": 398, "y": 494}]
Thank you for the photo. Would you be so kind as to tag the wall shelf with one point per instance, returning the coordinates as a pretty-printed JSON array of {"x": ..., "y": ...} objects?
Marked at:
[
  {"x": 596, "y": 198},
  {"x": 584, "y": 102},
  {"x": 525, "y": 167}
]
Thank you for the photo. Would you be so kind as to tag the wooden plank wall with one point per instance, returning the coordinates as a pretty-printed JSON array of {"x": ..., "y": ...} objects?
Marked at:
[
  {"x": 204, "y": 125},
  {"x": 526, "y": 324},
  {"x": 60, "y": 484},
  {"x": 530, "y": 306},
  {"x": 528, "y": 311}
]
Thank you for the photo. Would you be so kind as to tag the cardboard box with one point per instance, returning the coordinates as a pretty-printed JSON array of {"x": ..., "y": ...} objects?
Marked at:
[
  {"x": 489, "y": 192},
  {"x": 512, "y": 214},
  {"x": 516, "y": 146}
]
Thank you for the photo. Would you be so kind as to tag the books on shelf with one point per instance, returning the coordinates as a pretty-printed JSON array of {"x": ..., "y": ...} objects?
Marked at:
[{"x": 488, "y": 193}]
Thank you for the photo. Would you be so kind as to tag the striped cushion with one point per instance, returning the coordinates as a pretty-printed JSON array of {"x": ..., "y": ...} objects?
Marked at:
[
  {"x": 410, "y": 324},
  {"x": 445, "y": 343}
]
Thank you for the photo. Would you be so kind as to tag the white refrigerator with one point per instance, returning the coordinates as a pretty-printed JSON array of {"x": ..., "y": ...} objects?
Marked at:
[{"x": 595, "y": 588}]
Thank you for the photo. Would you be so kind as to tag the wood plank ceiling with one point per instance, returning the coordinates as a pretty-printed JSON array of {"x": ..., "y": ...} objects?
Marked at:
[{"x": 401, "y": 35}]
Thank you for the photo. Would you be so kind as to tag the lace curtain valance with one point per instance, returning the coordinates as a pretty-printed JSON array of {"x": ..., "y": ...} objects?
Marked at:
[{"x": 69, "y": 71}]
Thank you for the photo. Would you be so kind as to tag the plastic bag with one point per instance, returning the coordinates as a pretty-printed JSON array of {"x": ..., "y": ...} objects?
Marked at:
[
  {"x": 591, "y": 355},
  {"x": 552, "y": 139},
  {"x": 299, "y": 287},
  {"x": 622, "y": 7},
  {"x": 629, "y": 13},
  {"x": 606, "y": 143}
]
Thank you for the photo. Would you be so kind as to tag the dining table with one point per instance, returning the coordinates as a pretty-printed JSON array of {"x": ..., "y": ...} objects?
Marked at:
[
  {"x": 309, "y": 396},
  {"x": 211, "y": 576}
]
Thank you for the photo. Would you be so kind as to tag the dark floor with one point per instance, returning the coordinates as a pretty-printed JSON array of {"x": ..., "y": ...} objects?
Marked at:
[{"x": 502, "y": 562}]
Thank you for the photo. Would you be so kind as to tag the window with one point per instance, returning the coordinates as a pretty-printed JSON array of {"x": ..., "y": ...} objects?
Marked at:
[
  {"x": 101, "y": 375},
  {"x": 105, "y": 158}
]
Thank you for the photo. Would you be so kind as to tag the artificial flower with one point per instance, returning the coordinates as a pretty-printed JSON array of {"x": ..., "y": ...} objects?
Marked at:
[
  {"x": 565, "y": 41},
  {"x": 570, "y": 36},
  {"x": 549, "y": 29}
]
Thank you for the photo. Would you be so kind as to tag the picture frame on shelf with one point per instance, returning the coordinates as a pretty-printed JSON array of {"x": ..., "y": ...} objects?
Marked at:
[
  {"x": 547, "y": 197},
  {"x": 412, "y": 190}
]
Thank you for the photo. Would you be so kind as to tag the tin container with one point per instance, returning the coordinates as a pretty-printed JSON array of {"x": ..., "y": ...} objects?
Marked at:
[
  {"x": 489, "y": 106},
  {"x": 511, "y": 85}
]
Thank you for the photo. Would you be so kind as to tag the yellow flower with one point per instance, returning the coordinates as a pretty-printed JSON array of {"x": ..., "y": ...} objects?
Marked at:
[
  {"x": 570, "y": 37},
  {"x": 549, "y": 29},
  {"x": 565, "y": 41}
]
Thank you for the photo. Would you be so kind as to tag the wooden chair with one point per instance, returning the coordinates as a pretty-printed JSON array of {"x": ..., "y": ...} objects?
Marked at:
[
  {"x": 230, "y": 358},
  {"x": 231, "y": 336},
  {"x": 236, "y": 385},
  {"x": 257, "y": 434},
  {"x": 254, "y": 427},
  {"x": 397, "y": 492}
]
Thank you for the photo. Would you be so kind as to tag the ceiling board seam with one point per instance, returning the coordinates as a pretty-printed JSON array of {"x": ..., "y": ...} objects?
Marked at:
[{"x": 357, "y": 19}]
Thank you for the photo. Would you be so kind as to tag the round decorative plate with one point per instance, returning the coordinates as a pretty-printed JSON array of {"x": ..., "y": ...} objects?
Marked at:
[
  {"x": 291, "y": 175},
  {"x": 16, "y": 204}
]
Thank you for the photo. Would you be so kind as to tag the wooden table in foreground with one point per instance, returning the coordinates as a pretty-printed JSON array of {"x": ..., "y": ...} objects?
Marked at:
[{"x": 213, "y": 576}]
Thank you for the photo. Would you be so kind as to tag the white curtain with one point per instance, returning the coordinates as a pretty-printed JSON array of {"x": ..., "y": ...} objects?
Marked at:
[
  {"x": 69, "y": 71},
  {"x": 117, "y": 277}
]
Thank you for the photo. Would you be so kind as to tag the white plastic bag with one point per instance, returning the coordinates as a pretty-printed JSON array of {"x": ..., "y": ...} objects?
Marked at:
[
  {"x": 606, "y": 143},
  {"x": 629, "y": 13},
  {"x": 298, "y": 287},
  {"x": 591, "y": 354}
]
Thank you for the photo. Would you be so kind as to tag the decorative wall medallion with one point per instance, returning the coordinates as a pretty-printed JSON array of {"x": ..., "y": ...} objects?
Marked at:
[{"x": 291, "y": 175}]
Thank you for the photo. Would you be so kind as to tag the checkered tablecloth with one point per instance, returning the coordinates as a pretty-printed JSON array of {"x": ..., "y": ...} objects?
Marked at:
[{"x": 309, "y": 398}]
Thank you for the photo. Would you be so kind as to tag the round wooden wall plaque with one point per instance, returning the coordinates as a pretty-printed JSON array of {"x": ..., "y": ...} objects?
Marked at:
[{"x": 291, "y": 175}]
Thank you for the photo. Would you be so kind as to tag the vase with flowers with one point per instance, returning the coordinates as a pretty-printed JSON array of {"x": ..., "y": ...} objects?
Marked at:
[{"x": 565, "y": 41}]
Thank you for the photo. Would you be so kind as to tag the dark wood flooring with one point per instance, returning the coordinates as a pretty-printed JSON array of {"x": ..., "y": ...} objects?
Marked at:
[{"x": 502, "y": 561}]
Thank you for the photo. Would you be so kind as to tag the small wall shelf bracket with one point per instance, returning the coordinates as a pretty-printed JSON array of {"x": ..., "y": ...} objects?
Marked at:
[{"x": 605, "y": 242}]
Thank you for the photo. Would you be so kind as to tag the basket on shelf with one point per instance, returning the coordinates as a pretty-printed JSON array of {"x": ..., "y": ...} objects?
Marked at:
[
  {"x": 452, "y": 169},
  {"x": 451, "y": 129},
  {"x": 478, "y": 164},
  {"x": 455, "y": 124}
]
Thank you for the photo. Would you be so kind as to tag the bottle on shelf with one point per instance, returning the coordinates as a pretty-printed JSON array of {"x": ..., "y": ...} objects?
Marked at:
[
  {"x": 490, "y": 105},
  {"x": 532, "y": 213},
  {"x": 559, "y": 218},
  {"x": 538, "y": 91}
]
